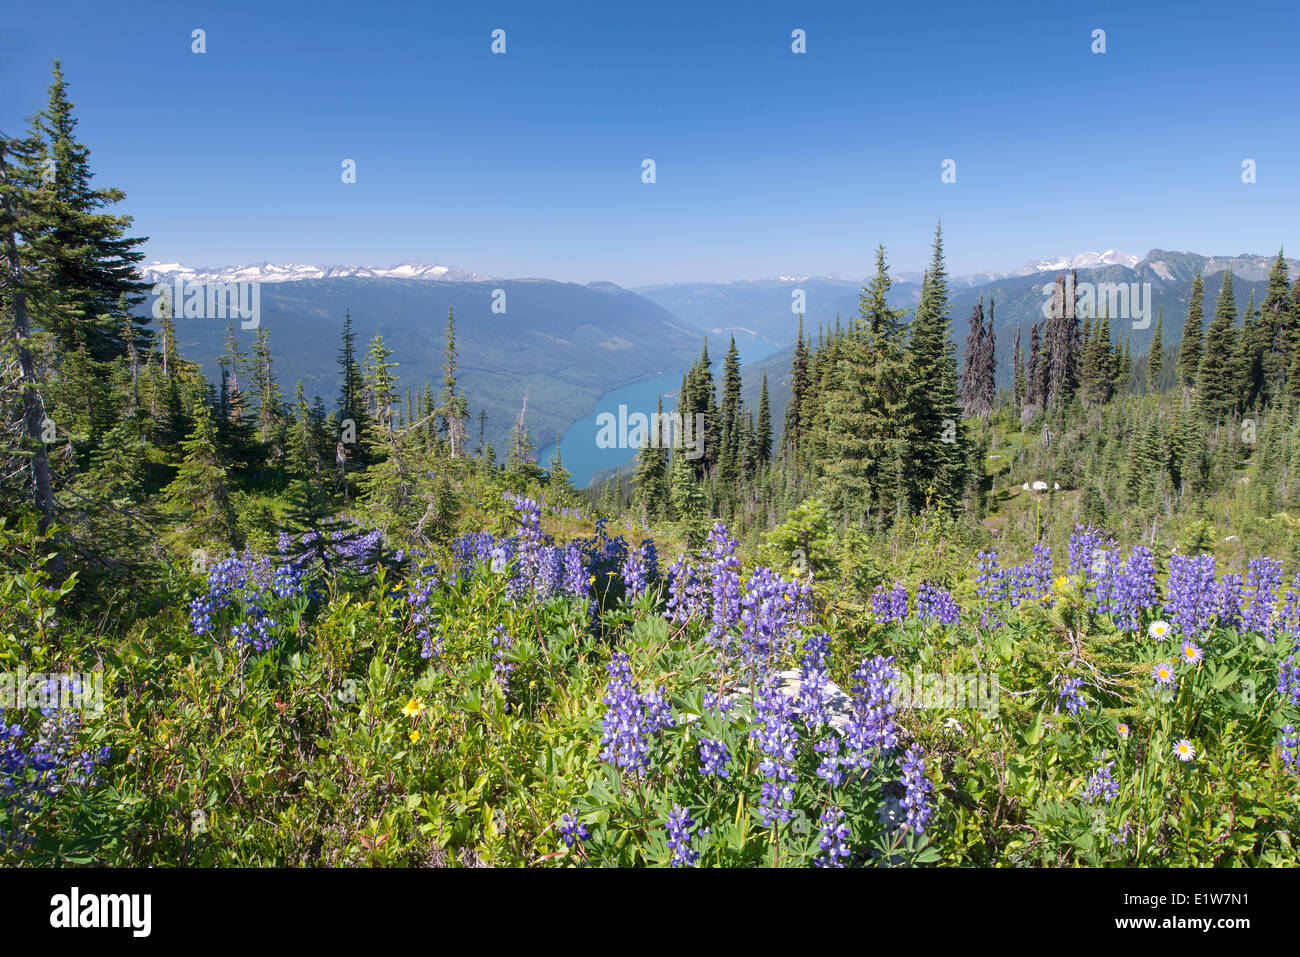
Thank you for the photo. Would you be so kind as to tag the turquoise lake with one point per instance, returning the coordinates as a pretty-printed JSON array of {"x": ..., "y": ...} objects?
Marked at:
[{"x": 578, "y": 449}]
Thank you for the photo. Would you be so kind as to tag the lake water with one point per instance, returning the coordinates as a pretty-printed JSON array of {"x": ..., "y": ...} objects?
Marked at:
[{"x": 578, "y": 449}]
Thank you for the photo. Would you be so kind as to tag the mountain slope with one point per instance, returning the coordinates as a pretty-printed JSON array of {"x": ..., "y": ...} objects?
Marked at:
[{"x": 564, "y": 344}]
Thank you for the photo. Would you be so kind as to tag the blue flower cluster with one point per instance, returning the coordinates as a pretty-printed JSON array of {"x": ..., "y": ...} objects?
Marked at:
[
  {"x": 631, "y": 718},
  {"x": 1101, "y": 784},
  {"x": 871, "y": 729},
  {"x": 917, "y": 799},
  {"x": 1071, "y": 698},
  {"x": 242, "y": 590},
  {"x": 936, "y": 604},
  {"x": 30, "y": 773},
  {"x": 679, "y": 826},
  {"x": 778, "y": 739},
  {"x": 889, "y": 605},
  {"x": 833, "y": 839}
]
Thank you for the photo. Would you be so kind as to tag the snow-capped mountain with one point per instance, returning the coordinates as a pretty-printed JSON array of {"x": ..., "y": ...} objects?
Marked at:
[
  {"x": 1087, "y": 260},
  {"x": 289, "y": 272}
]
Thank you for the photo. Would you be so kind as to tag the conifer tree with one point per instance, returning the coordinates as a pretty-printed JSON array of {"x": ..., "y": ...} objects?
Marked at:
[
  {"x": 200, "y": 492},
  {"x": 652, "y": 468},
  {"x": 1156, "y": 358},
  {"x": 1189, "y": 352},
  {"x": 1280, "y": 330},
  {"x": 1217, "y": 392},
  {"x": 455, "y": 408},
  {"x": 88, "y": 263},
  {"x": 763, "y": 431},
  {"x": 352, "y": 391}
]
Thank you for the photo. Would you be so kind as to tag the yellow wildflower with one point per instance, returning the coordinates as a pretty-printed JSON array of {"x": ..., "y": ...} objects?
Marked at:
[{"x": 414, "y": 708}]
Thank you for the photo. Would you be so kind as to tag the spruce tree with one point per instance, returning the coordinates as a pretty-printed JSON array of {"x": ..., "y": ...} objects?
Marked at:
[
  {"x": 1217, "y": 387},
  {"x": 1189, "y": 352},
  {"x": 1156, "y": 358}
]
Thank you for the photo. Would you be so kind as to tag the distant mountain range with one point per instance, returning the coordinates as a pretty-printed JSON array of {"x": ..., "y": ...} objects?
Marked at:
[
  {"x": 291, "y": 272},
  {"x": 567, "y": 344}
]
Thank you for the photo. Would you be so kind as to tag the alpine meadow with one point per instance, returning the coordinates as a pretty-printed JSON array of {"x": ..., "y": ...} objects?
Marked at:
[{"x": 883, "y": 560}]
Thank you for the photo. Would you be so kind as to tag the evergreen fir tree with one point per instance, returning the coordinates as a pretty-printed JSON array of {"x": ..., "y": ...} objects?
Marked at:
[{"x": 1189, "y": 352}]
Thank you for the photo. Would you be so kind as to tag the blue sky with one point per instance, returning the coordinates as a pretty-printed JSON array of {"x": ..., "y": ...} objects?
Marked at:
[{"x": 768, "y": 162}]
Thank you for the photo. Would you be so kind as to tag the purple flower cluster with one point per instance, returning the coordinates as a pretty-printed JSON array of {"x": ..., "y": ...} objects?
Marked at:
[
  {"x": 241, "y": 591},
  {"x": 1101, "y": 785},
  {"x": 1290, "y": 748},
  {"x": 679, "y": 826},
  {"x": 714, "y": 758},
  {"x": 1263, "y": 576},
  {"x": 631, "y": 718},
  {"x": 1071, "y": 698},
  {"x": 871, "y": 729},
  {"x": 889, "y": 605},
  {"x": 778, "y": 739},
  {"x": 571, "y": 829},
  {"x": 502, "y": 668},
  {"x": 936, "y": 604},
  {"x": 1288, "y": 680},
  {"x": 814, "y": 685},
  {"x": 724, "y": 578},
  {"x": 770, "y": 610},
  {"x": 833, "y": 840},
  {"x": 640, "y": 569},
  {"x": 917, "y": 799},
  {"x": 687, "y": 592},
  {"x": 30, "y": 773},
  {"x": 1191, "y": 598},
  {"x": 1125, "y": 590}
]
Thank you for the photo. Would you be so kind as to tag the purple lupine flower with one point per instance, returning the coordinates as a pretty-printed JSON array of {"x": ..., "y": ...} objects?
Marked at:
[
  {"x": 1041, "y": 573},
  {"x": 778, "y": 739},
  {"x": 1086, "y": 543},
  {"x": 1288, "y": 680},
  {"x": 1070, "y": 697},
  {"x": 1290, "y": 748},
  {"x": 936, "y": 604},
  {"x": 625, "y": 742},
  {"x": 831, "y": 769},
  {"x": 687, "y": 592},
  {"x": 1134, "y": 591},
  {"x": 658, "y": 710},
  {"x": 917, "y": 800},
  {"x": 1101, "y": 785},
  {"x": 679, "y": 826},
  {"x": 502, "y": 668},
  {"x": 1263, "y": 576},
  {"x": 725, "y": 605},
  {"x": 576, "y": 580},
  {"x": 571, "y": 829},
  {"x": 1227, "y": 600},
  {"x": 871, "y": 729},
  {"x": 990, "y": 583},
  {"x": 714, "y": 758},
  {"x": 770, "y": 609},
  {"x": 1191, "y": 594},
  {"x": 834, "y": 839},
  {"x": 814, "y": 693},
  {"x": 636, "y": 573},
  {"x": 890, "y": 606}
]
